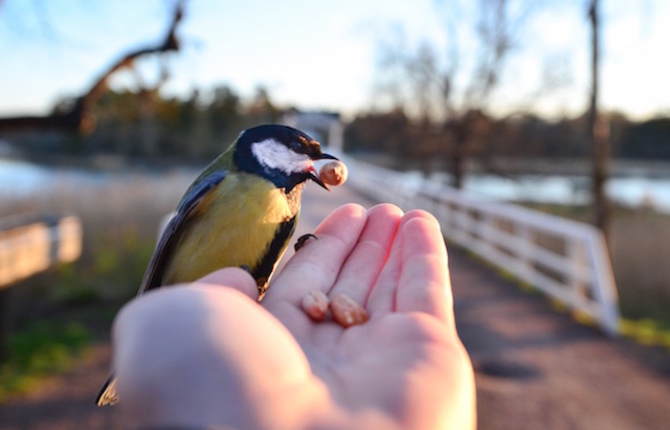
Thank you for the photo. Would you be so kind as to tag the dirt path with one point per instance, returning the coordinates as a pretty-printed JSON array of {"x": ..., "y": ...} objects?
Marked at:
[
  {"x": 535, "y": 368},
  {"x": 538, "y": 369}
]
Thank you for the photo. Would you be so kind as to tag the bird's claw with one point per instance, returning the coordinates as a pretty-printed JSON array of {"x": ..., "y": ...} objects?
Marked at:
[{"x": 302, "y": 240}]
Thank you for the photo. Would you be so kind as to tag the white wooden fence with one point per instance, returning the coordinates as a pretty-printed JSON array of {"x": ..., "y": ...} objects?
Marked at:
[
  {"x": 29, "y": 246},
  {"x": 565, "y": 259}
]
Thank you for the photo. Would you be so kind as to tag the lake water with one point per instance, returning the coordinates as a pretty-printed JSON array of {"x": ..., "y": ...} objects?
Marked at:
[
  {"x": 22, "y": 178},
  {"x": 18, "y": 178},
  {"x": 628, "y": 191}
]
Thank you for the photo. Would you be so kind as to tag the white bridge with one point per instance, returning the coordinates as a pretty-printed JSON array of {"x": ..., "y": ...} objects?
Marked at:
[{"x": 565, "y": 259}]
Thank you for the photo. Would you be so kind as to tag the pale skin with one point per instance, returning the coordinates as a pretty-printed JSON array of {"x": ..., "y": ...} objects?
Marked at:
[{"x": 209, "y": 354}]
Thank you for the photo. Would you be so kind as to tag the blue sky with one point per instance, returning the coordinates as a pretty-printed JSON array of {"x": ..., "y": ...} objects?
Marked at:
[{"x": 321, "y": 54}]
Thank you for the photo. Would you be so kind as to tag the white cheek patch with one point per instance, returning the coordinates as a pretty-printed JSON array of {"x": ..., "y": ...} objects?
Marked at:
[{"x": 275, "y": 155}]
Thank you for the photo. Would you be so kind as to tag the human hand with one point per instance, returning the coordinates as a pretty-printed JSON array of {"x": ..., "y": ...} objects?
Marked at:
[{"x": 207, "y": 355}]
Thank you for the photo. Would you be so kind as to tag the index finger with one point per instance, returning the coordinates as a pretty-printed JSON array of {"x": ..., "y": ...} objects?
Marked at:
[{"x": 317, "y": 264}]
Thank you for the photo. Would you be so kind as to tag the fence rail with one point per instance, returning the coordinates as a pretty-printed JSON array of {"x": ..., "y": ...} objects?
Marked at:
[
  {"x": 32, "y": 245},
  {"x": 565, "y": 259}
]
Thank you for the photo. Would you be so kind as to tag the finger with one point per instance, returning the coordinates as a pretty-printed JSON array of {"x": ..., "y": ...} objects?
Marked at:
[
  {"x": 234, "y": 278},
  {"x": 381, "y": 299},
  {"x": 317, "y": 265},
  {"x": 424, "y": 284},
  {"x": 367, "y": 259}
]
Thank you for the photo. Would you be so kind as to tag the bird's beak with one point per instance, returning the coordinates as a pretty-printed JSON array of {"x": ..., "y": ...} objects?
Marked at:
[
  {"x": 327, "y": 157},
  {"x": 313, "y": 174},
  {"x": 314, "y": 177}
]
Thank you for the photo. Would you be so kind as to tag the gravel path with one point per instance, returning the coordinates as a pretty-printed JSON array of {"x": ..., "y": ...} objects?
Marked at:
[
  {"x": 535, "y": 368},
  {"x": 538, "y": 369}
]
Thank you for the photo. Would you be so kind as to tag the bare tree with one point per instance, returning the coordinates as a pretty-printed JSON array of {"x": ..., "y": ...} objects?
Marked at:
[
  {"x": 449, "y": 90},
  {"x": 77, "y": 117},
  {"x": 598, "y": 128},
  {"x": 464, "y": 119}
]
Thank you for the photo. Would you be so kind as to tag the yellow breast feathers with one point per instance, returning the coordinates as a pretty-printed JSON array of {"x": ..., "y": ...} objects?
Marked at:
[{"x": 234, "y": 225}]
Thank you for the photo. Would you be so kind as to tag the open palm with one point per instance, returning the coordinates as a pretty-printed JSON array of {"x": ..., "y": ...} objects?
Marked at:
[{"x": 274, "y": 367}]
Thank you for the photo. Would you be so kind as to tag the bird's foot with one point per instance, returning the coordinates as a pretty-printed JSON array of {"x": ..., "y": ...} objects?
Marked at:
[{"x": 302, "y": 240}]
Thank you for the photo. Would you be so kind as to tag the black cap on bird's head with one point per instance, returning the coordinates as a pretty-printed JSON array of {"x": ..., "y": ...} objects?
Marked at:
[{"x": 280, "y": 154}]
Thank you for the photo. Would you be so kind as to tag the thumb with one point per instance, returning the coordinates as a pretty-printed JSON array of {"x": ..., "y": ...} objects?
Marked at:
[{"x": 232, "y": 277}]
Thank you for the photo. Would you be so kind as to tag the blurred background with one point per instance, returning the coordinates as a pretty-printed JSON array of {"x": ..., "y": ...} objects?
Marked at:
[{"x": 109, "y": 109}]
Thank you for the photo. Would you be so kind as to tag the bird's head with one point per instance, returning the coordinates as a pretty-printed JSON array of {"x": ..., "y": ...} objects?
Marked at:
[{"x": 281, "y": 154}]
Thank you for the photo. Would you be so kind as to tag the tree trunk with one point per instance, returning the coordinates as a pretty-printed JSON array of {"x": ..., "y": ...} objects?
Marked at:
[
  {"x": 598, "y": 132},
  {"x": 457, "y": 159}
]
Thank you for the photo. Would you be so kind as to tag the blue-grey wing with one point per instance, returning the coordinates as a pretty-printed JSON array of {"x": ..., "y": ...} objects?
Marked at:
[{"x": 188, "y": 207}]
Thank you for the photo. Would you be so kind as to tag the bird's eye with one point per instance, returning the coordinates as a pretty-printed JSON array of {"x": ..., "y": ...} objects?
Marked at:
[{"x": 296, "y": 146}]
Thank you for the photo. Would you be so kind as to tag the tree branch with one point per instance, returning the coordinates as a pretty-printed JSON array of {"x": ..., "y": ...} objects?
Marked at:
[{"x": 79, "y": 117}]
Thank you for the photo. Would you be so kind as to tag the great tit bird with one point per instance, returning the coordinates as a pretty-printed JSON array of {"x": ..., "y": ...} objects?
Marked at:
[{"x": 240, "y": 212}]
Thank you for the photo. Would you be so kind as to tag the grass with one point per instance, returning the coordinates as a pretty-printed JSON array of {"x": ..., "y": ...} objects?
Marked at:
[
  {"x": 120, "y": 216},
  {"x": 647, "y": 331},
  {"x": 38, "y": 350}
]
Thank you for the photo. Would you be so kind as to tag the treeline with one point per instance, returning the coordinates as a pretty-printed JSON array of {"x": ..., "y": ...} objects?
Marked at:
[
  {"x": 202, "y": 125},
  {"x": 395, "y": 133},
  {"x": 148, "y": 124}
]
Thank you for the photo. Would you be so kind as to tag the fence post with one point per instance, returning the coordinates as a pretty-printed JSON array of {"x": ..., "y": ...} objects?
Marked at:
[
  {"x": 525, "y": 239},
  {"x": 577, "y": 256},
  {"x": 605, "y": 288}
]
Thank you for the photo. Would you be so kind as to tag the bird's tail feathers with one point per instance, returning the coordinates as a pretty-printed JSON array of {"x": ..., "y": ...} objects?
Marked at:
[{"x": 107, "y": 395}]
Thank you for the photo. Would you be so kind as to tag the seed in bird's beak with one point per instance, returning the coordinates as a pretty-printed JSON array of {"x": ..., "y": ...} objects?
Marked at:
[
  {"x": 328, "y": 170},
  {"x": 334, "y": 173}
]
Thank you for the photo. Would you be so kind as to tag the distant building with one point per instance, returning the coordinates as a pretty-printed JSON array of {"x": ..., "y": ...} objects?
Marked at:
[{"x": 326, "y": 127}]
